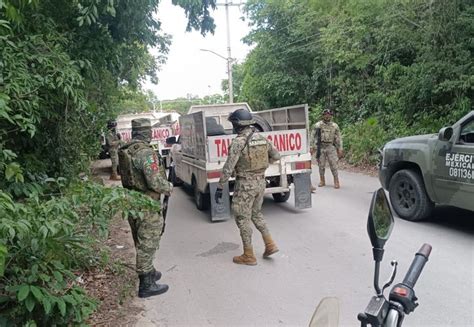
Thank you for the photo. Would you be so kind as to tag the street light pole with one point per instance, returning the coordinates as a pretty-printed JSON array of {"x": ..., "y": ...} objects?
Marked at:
[{"x": 229, "y": 71}]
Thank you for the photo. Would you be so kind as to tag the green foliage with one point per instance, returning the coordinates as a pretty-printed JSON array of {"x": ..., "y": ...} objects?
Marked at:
[
  {"x": 44, "y": 243},
  {"x": 198, "y": 14},
  {"x": 363, "y": 139},
  {"x": 65, "y": 67},
  {"x": 407, "y": 63}
]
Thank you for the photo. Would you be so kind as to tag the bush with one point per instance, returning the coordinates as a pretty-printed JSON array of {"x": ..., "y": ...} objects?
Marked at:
[
  {"x": 44, "y": 244},
  {"x": 362, "y": 141}
]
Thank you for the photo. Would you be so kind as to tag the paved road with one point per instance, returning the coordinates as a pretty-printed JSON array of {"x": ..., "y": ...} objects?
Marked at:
[{"x": 324, "y": 251}]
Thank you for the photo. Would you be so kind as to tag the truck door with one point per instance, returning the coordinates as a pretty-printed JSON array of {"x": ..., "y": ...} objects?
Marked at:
[{"x": 454, "y": 167}]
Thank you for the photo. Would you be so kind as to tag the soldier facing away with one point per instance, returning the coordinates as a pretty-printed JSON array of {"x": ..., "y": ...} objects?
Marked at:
[
  {"x": 113, "y": 142},
  {"x": 249, "y": 157},
  {"x": 142, "y": 171},
  {"x": 326, "y": 143}
]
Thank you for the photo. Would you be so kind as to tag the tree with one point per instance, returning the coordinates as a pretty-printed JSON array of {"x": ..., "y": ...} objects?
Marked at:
[
  {"x": 407, "y": 66},
  {"x": 394, "y": 60},
  {"x": 67, "y": 68}
]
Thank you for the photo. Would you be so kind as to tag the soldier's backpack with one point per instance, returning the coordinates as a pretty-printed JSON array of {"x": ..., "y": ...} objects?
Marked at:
[{"x": 132, "y": 178}]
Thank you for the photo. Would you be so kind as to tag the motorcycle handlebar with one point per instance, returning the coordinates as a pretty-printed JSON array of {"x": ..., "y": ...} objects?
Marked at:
[{"x": 417, "y": 266}]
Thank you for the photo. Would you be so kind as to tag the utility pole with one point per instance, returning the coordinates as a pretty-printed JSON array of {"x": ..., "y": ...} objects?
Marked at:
[
  {"x": 229, "y": 53},
  {"x": 229, "y": 57}
]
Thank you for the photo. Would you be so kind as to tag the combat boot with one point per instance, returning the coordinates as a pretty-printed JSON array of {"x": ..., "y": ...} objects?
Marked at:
[
  {"x": 322, "y": 181},
  {"x": 114, "y": 177},
  {"x": 248, "y": 258},
  {"x": 156, "y": 275},
  {"x": 336, "y": 182},
  {"x": 270, "y": 246},
  {"x": 148, "y": 287}
]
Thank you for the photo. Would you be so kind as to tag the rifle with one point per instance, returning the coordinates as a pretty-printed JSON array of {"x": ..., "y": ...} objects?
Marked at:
[
  {"x": 164, "y": 207},
  {"x": 318, "y": 143}
]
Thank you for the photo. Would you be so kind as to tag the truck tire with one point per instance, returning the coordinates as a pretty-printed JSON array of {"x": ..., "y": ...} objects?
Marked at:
[
  {"x": 173, "y": 178},
  {"x": 281, "y": 197},
  {"x": 201, "y": 200},
  {"x": 261, "y": 124},
  {"x": 408, "y": 196}
]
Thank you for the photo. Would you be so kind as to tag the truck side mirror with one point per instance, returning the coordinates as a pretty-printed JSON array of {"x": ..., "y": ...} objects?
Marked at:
[
  {"x": 380, "y": 222},
  {"x": 171, "y": 140},
  {"x": 445, "y": 134}
]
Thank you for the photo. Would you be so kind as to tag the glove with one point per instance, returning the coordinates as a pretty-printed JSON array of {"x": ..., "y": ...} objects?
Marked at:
[{"x": 218, "y": 195}]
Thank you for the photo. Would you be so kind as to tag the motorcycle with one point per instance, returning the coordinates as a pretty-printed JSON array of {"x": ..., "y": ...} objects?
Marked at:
[{"x": 402, "y": 300}]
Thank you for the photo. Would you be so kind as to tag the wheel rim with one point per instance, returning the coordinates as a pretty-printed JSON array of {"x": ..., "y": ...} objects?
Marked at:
[{"x": 406, "y": 195}]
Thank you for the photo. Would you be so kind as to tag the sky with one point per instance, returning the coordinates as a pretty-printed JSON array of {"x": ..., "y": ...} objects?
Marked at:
[{"x": 189, "y": 70}]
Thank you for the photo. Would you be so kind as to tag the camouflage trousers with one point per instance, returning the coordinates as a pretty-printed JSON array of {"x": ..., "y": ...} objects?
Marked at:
[
  {"x": 247, "y": 206},
  {"x": 329, "y": 154},
  {"x": 115, "y": 160},
  {"x": 146, "y": 236}
]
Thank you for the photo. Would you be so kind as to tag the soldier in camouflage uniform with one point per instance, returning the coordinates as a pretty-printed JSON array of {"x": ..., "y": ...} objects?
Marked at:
[
  {"x": 142, "y": 171},
  {"x": 330, "y": 149},
  {"x": 113, "y": 142},
  {"x": 249, "y": 157}
]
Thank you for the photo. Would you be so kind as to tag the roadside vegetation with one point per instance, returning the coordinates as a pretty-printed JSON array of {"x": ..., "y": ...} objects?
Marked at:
[
  {"x": 388, "y": 68},
  {"x": 48, "y": 241},
  {"x": 65, "y": 69}
]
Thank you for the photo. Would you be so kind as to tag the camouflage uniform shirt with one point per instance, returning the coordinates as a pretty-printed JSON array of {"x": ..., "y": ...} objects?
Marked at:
[
  {"x": 330, "y": 134},
  {"x": 233, "y": 162},
  {"x": 146, "y": 160}
]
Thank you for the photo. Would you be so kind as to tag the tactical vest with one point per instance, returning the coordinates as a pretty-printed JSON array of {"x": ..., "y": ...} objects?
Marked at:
[
  {"x": 328, "y": 132},
  {"x": 254, "y": 157},
  {"x": 132, "y": 178}
]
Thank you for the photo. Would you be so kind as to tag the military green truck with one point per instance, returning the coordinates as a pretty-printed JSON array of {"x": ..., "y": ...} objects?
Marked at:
[{"x": 424, "y": 170}]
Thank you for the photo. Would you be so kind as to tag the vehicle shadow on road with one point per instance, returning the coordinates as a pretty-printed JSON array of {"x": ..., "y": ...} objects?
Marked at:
[{"x": 454, "y": 218}]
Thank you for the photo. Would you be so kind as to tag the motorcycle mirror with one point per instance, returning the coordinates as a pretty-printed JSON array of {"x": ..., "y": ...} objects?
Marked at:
[
  {"x": 326, "y": 313},
  {"x": 380, "y": 222}
]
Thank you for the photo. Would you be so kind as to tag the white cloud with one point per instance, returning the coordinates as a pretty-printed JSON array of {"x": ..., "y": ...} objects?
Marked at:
[{"x": 189, "y": 70}]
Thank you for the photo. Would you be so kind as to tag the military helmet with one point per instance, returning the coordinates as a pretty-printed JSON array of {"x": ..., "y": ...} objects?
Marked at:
[
  {"x": 111, "y": 124},
  {"x": 327, "y": 112},
  {"x": 241, "y": 117},
  {"x": 141, "y": 124}
]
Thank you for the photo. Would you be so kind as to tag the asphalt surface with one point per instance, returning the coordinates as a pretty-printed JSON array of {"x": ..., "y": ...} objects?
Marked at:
[{"x": 324, "y": 251}]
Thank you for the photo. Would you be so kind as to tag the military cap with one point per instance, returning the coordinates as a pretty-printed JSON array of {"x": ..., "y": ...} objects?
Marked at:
[{"x": 141, "y": 123}]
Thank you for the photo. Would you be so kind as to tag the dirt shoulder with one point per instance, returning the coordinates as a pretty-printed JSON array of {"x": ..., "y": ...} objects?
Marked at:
[
  {"x": 366, "y": 170},
  {"x": 115, "y": 286}
]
